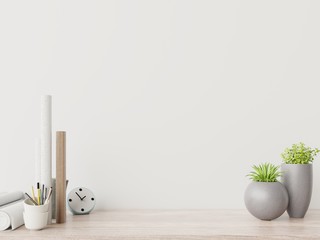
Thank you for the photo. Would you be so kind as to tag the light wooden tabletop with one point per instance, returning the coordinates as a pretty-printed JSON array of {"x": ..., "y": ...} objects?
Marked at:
[{"x": 174, "y": 224}]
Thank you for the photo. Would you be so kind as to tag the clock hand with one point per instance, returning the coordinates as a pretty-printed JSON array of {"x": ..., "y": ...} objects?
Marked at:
[
  {"x": 79, "y": 196},
  {"x": 83, "y": 198}
]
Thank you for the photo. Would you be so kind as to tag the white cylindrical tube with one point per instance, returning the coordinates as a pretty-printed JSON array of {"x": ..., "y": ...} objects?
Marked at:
[
  {"x": 11, "y": 215},
  {"x": 37, "y": 161},
  {"x": 46, "y": 146},
  {"x": 7, "y": 198}
]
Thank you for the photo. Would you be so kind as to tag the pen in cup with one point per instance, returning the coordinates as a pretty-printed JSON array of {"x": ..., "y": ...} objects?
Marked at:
[
  {"x": 38, "y": 188},
  {"x": 42, "y": 194},
  {"x": 49, "y": 195},
  {"x": 33, "y": 196},
  {"x": 34, "y": 202}
]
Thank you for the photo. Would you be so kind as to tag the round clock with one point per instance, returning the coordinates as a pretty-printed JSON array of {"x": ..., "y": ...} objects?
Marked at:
[{"x": 81, "y": 200}]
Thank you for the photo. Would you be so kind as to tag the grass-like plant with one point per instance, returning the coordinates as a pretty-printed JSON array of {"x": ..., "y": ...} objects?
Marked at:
[
  {"x": 299, "y": 154},
  {"x": 265, "y": 172}
]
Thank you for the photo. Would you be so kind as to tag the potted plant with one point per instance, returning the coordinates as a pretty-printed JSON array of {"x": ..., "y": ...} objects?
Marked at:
[
  {"x": 265, "y": 197},
  {"x": 297, "y": 177}
]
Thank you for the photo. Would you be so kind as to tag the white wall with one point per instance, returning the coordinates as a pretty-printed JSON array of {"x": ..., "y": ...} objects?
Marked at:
[{"x": 166, "y": 104}]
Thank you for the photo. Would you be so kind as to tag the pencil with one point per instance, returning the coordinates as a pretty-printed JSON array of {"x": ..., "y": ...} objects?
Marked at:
[
  {"x": 42, "y": 194},
  {"x": 31, "y": 199},
  {"x": 38, "y": 187},
  {"x": 49, "y": 195},
  {"x": 34, "y": 198}
]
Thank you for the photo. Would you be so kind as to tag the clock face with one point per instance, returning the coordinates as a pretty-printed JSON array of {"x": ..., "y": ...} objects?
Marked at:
[{"x": 81, "y": 200}]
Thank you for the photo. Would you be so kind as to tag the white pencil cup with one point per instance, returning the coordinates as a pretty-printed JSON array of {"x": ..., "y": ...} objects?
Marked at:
[{"x": 35, "y": 216}]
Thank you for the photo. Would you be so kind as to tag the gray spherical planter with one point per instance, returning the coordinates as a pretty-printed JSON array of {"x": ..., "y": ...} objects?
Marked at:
[
  {"x": 297, "y": 178},
  {"x": 266, "y": 200}
]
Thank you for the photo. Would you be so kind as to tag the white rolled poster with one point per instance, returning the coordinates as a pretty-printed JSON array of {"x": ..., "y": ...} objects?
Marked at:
[
  {"x": 11, "y": 209},
  {"x": 37, "y": 160},
  {"x": 6, "y": 198},
  {"x": 45, "y": 146}
]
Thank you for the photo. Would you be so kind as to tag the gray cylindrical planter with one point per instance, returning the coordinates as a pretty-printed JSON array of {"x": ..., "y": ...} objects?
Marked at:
[
  {"x": 297, "y": 178},
  {"x": 266, "y": 200}
]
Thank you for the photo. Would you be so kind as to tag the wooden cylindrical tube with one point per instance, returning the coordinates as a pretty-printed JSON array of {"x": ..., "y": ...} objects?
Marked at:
[{"x": 60, "y": 177}]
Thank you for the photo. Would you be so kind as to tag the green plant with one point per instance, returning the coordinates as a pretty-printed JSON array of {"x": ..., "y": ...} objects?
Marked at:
[
  {"x": 265, "y": 172},
  {"x": 299, "y": 154}
]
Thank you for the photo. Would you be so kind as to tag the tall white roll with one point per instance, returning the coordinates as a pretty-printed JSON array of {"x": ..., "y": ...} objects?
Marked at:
[
  {"x": 37, "y": 161},
  {"x": 46, "y": 145}
]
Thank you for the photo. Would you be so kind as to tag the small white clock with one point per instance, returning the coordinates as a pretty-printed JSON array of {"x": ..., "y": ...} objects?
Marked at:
[{"x": 81, "y": 200}]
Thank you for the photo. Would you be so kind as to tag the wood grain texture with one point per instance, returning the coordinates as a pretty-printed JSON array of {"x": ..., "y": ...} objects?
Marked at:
[
  {"x": 175, "y": 224},
  {"x": 61, "y": 177}
]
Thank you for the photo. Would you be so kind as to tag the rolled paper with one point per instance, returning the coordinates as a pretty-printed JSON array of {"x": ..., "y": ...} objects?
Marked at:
[
  {"x": 4, "y": 221},
  {"x": 11, "y": 215},
  {"x": 37, "y": 161},
  {"x": 11, "y": 208},
  {"x": 45, "y": 146},
  {"x": 61, "y": 177},
  {"x": 6, "y": 198}
]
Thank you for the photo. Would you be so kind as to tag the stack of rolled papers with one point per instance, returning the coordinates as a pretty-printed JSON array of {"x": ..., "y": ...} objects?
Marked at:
[{"x": 11, "y": 210}]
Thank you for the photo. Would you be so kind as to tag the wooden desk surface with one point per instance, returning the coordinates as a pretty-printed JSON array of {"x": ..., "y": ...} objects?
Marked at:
[{"x": 174, "y": 224}]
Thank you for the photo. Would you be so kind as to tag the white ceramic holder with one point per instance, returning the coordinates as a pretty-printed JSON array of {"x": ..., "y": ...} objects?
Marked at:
[{"x": 35, "y": 216}]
